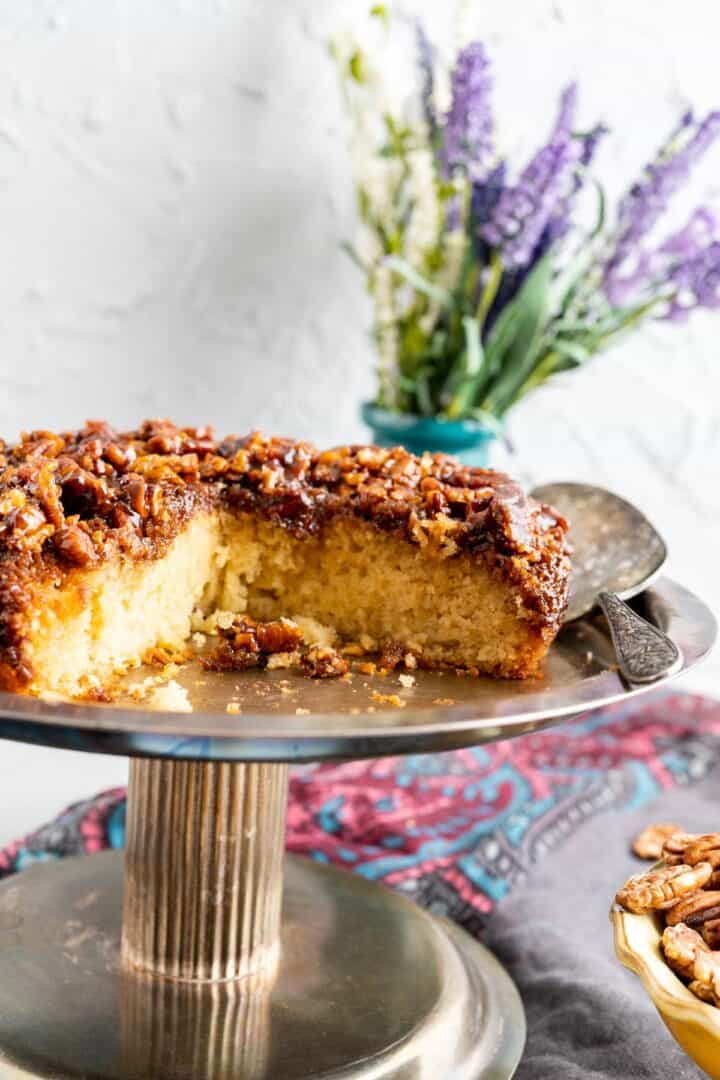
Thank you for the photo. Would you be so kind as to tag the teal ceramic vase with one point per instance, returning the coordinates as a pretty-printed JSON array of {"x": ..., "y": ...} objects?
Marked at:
[{"x": 468, "y": 440}]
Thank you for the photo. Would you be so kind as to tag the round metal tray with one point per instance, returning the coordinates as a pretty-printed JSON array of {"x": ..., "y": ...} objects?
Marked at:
[
  {"x": 369, "y": 987},
  {"x": 286, "y": 717}
]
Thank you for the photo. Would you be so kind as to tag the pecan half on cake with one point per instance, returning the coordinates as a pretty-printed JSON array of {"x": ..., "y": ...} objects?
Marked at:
[{"x": 110, "y": 540}]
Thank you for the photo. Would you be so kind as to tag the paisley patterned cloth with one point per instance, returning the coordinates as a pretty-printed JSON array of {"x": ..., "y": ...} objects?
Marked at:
[{"x": 455, "y": 831}]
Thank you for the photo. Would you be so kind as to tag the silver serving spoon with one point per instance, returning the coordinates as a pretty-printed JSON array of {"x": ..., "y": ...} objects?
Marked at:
[{"x": 616, "y": 554}]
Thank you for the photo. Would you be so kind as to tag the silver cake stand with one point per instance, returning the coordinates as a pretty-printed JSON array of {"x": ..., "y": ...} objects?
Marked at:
[{"x": 222, "y": 960}]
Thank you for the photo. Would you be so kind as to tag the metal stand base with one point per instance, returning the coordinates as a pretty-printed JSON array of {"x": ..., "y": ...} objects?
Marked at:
[{"x": 368, "y": 987}]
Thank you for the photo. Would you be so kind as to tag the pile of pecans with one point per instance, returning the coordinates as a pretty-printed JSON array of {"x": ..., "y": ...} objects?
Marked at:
[{"x": 686, "y": 889}]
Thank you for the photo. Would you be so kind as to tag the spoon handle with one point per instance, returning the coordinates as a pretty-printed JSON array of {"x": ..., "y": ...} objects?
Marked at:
[{"x": 644, "y": 653}]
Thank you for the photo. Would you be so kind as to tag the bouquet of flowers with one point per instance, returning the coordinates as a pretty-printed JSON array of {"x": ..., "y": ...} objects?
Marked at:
[{"x": 484, "y": 284}]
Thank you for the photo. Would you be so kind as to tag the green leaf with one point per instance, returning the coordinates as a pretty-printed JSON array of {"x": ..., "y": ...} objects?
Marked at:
[
  {"x": 474, "y": 354},
  {"x": 573, "y": 351},
  {"x": 348, "y": 248},
  {"x": 521, "y": 336},
  {"x": 572, "y": 277},
  {"x": 423, "y": 395},
  {"x": 492, "y": 285},
  {"x": 464, "y": 380},
  {"x": 488, "y": 419},
  {"x": 418, "y": 282},
  {"x": 601, "y": 211},
  {"x": 499, "y": 338}
]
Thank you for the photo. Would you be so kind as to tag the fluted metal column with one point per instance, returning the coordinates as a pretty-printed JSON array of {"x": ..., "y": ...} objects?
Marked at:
[
  {"x": 215, "y": 1031},
  {"x": 203, "y": 870}
]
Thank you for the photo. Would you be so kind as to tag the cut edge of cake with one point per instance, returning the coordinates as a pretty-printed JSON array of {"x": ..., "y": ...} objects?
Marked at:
[{"x": 454, "y": 591}]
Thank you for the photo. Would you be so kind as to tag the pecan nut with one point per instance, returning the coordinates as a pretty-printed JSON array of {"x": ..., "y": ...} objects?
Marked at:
[
  {"x": 703, "y": 991},
  {"x": 695, "y": 908},
  {"x": 711, "y": 933},
  {"x": 680, "y": 945},
  {"x": 705, "y": 848},
  {"x": 74, "y": 545},
  {"x": 706, "y": 976},
  {"x": 660, "y": 889},
  {"x": 673, "y": 851},
  {"x": 649, "y": 843}
]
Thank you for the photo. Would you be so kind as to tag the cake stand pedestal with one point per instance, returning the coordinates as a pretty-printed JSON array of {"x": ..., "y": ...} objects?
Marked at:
[
  {"x": 221, "y": 959},
  {"x": 205, "y": 980}
]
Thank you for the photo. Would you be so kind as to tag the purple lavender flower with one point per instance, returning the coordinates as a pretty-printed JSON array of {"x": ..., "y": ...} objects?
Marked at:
[
  {"x": 559, "y": 224},
  {"x": 649, "y": 197},
  {"x": 523, "y": 211},
  {"x": 426, "y": 64},
  {"x": 677, "y": 259},
  {"x": 696, "y": 272},
  {"x": 486, "y": 193},
  {"x": 698, "y": 283},
  {"x": 565, "y": 121},
  {"x": 689, "y": 241},
  {"x": 467, "y": 132}
]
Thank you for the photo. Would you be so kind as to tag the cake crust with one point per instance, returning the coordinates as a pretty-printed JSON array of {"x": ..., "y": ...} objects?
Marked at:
[{"x": 70, "y": 502}]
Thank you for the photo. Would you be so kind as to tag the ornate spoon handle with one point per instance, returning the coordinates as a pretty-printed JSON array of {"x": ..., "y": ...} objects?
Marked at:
[{"x": 644, "y": 653}]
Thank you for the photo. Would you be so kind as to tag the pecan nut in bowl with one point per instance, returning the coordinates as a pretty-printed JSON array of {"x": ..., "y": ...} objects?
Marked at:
[
  {"x": 706, "y": 980},
  {"x": 674, "y": 945},
  {"x": 711, "y": 933},
  {"x": 660, "y": 889},
  {"x": 695, "y": 908},
  {"x": 649, "y": 843},
  {"x": 673, "y": 850},
  {"x": 680, "y": 945},
  {"x": 705, "y": 848},
  {"x": 703, "y": 991}
]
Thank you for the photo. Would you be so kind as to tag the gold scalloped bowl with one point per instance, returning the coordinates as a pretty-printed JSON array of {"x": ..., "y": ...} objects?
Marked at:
[{"x": 694, "y": 1024}]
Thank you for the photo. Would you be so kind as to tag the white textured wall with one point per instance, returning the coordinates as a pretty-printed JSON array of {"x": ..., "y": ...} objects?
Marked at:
[{"x": 173, "y": 186}]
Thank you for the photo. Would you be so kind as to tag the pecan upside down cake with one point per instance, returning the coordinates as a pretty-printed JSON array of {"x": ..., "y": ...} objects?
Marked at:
[{"x": 110, "y": 541}]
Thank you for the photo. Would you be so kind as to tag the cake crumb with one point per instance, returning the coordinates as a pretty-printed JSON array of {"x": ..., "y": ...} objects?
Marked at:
[
  {"x": 233, "y": 707},
  {"x": 407, "y": 681},
  {"x": 444, "y": 701},
  {"x": 410, "y": 661},
  {"x": 171, "y": 697},
  {"x": 162, "y": 656},
  {"x": 353, "y": 650},
  {"x": 302, "y": 712},
  {"x": 389, "y": 699},
  {"x": 368, "y": 667},
  {"x": 283, "y": 660},
  {"x": 316, "y": 633}
]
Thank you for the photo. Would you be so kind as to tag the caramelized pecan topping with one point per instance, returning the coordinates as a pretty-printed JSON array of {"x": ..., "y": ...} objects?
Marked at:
[
  {"x": 321, "y": 662},
  {"x": 96, "y": 473},
  {"x": 246, "y": 643}
]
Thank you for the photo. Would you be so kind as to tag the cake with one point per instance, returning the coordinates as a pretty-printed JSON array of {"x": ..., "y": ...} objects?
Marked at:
[{"x": 110, "y": 541}]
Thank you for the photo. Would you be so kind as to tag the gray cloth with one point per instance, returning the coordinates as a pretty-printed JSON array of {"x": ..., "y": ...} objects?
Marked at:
[{"x": 589, "y": 1018}]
